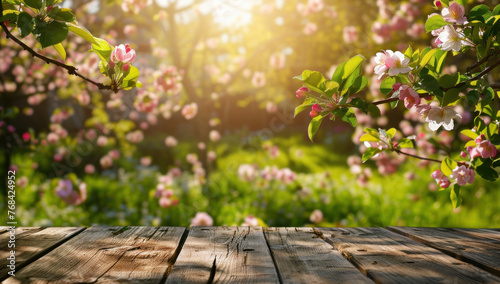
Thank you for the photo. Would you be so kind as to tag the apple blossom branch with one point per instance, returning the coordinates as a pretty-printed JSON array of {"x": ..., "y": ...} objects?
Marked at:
[
  {"x": 72, "y": 70},
  {"x": 461, "y": 84}
]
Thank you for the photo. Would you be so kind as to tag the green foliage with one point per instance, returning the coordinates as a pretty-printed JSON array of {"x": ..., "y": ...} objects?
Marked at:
[
  {"x": 50, "y": 33},
  {"x": 456, "y": 200},
  {"x": 435, "y": 22},
  {"x": 314, "y": 126},
  {"x": 62, "y": 14},
  {"x": 447, "y": 166}
]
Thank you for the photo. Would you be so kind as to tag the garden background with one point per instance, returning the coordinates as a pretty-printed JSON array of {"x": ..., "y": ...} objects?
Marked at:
[{"x": 211, "y": 138}]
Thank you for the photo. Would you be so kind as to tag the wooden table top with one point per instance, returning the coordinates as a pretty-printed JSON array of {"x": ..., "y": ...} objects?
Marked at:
[{"x": 106, "y": 254}]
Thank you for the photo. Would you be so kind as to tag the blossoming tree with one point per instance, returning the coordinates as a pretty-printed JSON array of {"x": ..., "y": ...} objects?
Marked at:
[{"x": 416, "y": 77}]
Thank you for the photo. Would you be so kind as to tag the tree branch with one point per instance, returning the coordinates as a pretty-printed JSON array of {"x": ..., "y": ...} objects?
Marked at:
[
  {"x": 72, "y": 70},
  {"x": 424, "y": 95},
  {"x": 418, "y": 157}
]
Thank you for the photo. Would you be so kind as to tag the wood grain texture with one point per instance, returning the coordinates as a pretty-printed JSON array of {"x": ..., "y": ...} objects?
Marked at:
[
  {"x": 482, "y": 252},
  {"x": 224, "y": 255},
  {"x": 387, "y": 257},
  {"x": 302, "y": 257},
  {"x": 107, "y": 255},
  {"x": 31, "y": 244},
  {"x": 481, "y": 233}
]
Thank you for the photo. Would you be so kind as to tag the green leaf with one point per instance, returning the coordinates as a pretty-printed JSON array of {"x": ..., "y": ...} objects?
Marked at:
[
  {"x": 409, "y": 52},
  {"x": 130, "y": 78},
  {"x": 331, "y": 85},
  {"x": 352, "y": 65},
  {"x": 387, "y": 83},
  {"x": 469, "y": 133},
  {"x": 60, "y": 49},
  {"x": 102, "y": 48},
  {"x": 448, "y": 81},
  {"x": 370, "y": 152},
  {"x": 358, "y": 85},
  {"x": 52, "y": 2},
  {"x": 473, "y": 97},
  {"x": 435, "y": 22},
  {"x": 391, "y": 132},
  {"x": 406, "y": 143},
  {"x": 374, "y": 110},
  {"x": 83, "y": 33},
  {"x": 64, "y": 14},
  {"x": 306, "y": 104},
  {"x": 486, "y": 171},
  {"x": 426, "y": 58},
  {"x": 456, "y": 200},
  {"x": 394, "y": 104},
  {"x": 9, "y": 15},
  {"x": 314, "y": 126},
  {"x": 431, "y": 85},
  {"x": 447, "y": 166},
  {"x": 25, "y": 24},
  {"x": 480, "y": 124},
  {"x": 368, "y": 137},
  {"x": 313, "y": 80},
  {"x": 50, "y": 33},
  {"x": 350, "y": 118},
  {"x": 478, "y": 12},
  {"x": 359, "y": 103},
  {"x": 339, "y": 71},
  {"x": 451, "y": 96},
  {"x": 37, "y": 4}
]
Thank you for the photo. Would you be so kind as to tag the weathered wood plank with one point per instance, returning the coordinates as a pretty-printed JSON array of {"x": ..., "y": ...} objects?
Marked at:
[
  {"x": 302, "y": 257},
  {"x": 224, "y": 254},
  {"x": 387, "y": 257},
  {"x": 32, "y": 243},
  {"x": 481, "y": 252},
  {"x": 106, "y": 255},
  {"x": 481, "y": 233}
]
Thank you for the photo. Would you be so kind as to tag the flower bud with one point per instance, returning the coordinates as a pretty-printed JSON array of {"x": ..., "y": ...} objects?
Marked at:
[
  {"x": 313, "y": 113},
  {"x": 438, "y": 4},
  {"x": 111, "y": 64},
  {"x": 463, "y": 154},
  {"x": 317, "y": 108},
  {"x": 126, "y": 67},
  {"x": 49, "y": 8},
  {"x": 302, "y": 92},
  {"x": 396, "y": 86}
]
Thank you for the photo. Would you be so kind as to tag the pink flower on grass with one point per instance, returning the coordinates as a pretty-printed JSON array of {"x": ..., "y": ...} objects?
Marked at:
[
  {"x": 441, "y": 179},
  {"x": 123, "y": 53},
  {"x": 65, "y": 191},
  {"x": 463, "y": 175},
  {"x": 251, "y": 221},
  {"x": 202, "y": 219},
  {"x": 455, "y": 14},
  {"x": 316, "y": 216},
  {"x": 441, "y": 116},
  {"x": 409, "y": 96}
]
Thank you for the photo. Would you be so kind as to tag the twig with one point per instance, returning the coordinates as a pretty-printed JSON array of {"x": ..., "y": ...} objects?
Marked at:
[
  {"x": 424, "y": 95},
  {"x": 418, "y": 157},
  {"x": 72, "y": 70},
  {"x": 477, "y": 77},
  {"x": 481, "y": 62}
]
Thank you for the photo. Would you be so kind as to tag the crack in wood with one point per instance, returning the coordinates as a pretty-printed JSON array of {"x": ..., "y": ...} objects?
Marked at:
[{"x": 213, "y": 269}]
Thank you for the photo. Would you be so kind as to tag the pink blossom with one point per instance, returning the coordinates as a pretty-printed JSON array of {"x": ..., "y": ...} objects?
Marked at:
[
  {"x": 11, "y": 128},
  {"x": 66, "y": 192},
  {"x": 454, "y": 14},
  {"x": 189, "y": 111},
  {"x": 316, "y": 216},
  {"x": 214, "y": 135},
  {"x": 416, "y": 30},
  {"x": 302, "y": 92},
  {"x": 441, "y": 179},
  {"x": 52, "y": 138},
  {"x": 251, "y": 221},
  {"x": 463, "y": 175},
  {"x": 114, "y": 154},
  {"x": 102, "y": 141},
  {"x": 409, "y": 96},
  {"x": 26, "y": 136},
  {"x": 247, "y": 172},
  {"x": 123, "y": 53},
  {"x": 170, "y": 141},
  {"x": 315, "y": 5},
  {"x": 146, "y": 102},
  {"x": 145, "y": 161},
  {"x": 350, "y": 34},
  {"x": 452, "y": 39},
  {"x": 271, "y": 107},
  {"x": 89, "y": 169},
  {"x": 484, "y": 149},
  {"x": 202, "y": 219},
  {"x": 259, "y": 79},
  {"x": 211, "y": 156},
  {"x": 399, "y": 23},
  {"x": 441, "y": 116},
  {"x": 191, "y": 158},
  {"x": 310, "y": 28},
  {"x": 202, "y": 146},
  {"x": 381, "y": 32},
  {"x": 106, "y": 162},
  {"x": 277, "y": 61},
  {"x": 130, "y": 30}
]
